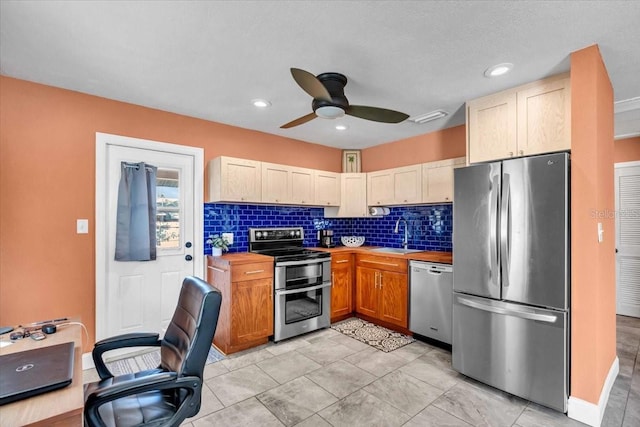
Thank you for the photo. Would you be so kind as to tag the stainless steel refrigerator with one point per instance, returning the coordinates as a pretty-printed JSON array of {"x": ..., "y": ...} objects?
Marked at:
[{"x": 511, "y": 277}]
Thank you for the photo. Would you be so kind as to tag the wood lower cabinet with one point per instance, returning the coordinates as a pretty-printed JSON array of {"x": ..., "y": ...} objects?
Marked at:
[
  {"x": 246, "y": 314},
  {"x": 341, "y": 286},
  {"x": 382, "y": 288}
]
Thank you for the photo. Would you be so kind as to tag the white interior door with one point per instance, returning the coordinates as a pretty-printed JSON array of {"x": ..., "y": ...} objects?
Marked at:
[
  {"x": 137, "y": 296},
  {"x": 627, "y": 191}
]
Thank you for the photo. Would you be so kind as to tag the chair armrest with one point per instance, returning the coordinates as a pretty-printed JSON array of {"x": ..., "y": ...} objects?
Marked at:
[
  {"x": 160, "y": 381},
  {"x": 140, "y": 339}
]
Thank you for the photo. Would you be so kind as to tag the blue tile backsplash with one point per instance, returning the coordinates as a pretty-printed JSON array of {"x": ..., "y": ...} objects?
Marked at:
[{"x": 430, "y": 226}]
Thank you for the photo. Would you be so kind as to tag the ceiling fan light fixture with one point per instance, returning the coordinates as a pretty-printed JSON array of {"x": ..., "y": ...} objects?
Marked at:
[
  {"x": 498, "y": 70},
  {"x": 329, "y": 112},
  {"x": 260, "y": 103},
  {"x": 429, "y": 117}
]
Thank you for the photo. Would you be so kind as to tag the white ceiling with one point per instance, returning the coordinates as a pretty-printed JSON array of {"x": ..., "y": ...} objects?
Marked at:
[{"x": 209, "y": 59}]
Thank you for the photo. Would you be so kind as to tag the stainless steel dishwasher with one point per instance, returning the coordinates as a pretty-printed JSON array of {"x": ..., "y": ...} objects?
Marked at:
[{"x": 431, "y": 288}]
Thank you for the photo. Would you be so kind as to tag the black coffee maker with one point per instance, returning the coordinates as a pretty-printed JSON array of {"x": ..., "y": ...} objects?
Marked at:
[{"x": 325, "y": 238}]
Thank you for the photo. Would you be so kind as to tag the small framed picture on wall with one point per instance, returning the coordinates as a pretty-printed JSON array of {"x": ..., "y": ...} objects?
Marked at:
[{"x": 351, "y": 161}]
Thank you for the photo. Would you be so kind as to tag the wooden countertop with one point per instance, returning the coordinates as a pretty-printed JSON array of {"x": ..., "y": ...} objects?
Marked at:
[
  {"x": 429, "y": 256},
  {"x": 237, "y": 258}
]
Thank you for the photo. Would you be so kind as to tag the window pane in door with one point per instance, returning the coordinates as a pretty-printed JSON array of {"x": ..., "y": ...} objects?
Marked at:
[{"x": 168, "y": 208}]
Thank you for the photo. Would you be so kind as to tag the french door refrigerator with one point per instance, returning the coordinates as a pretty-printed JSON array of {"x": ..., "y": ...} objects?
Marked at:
[{"x": 511, "y": 276}]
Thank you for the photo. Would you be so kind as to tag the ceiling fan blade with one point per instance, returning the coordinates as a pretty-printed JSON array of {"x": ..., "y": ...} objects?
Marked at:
[
  {"x": 376, "y": 114},
  {"x": 299, "y": 121},
  {"x": 310, "y": 84}
]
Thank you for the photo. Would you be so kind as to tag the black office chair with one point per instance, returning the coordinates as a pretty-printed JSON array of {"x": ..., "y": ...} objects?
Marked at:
[{"x": 167, "y": 395}]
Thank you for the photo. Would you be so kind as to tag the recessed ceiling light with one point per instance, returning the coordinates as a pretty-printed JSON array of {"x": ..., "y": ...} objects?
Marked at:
[
  {"x": 341, "y": 127},
  {"x": 498, "y": 70},
  {"x": 260, "y": 103}
]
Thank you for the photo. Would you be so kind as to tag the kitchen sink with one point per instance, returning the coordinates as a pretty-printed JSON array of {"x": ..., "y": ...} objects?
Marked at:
[{"x": 396, "y": 250}]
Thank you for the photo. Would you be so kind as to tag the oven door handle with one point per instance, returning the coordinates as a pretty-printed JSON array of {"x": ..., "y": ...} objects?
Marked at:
[
  {"x": 299, "y": 290},
  {"x": 303, "y": 262}
]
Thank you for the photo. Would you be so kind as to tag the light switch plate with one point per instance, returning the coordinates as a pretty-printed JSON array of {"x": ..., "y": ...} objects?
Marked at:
[
  {"x": 228, "y": 237},
  {"x": 82, "y": 226},
  {"x": 600, "y": 233}
]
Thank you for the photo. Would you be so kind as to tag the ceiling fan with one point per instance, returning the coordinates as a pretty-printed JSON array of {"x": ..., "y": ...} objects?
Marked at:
[{"x": 329, "y": 102}]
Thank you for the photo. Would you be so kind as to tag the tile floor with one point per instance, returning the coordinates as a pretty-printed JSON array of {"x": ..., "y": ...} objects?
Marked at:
[{"x": 327, "y": 379}]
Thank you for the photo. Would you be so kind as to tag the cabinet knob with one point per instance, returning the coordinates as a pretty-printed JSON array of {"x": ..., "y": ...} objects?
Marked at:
[
  {"x": 510, "y": 153},
  {"x": 405, "y": 200},
  {"x": 521, "y": 152}
]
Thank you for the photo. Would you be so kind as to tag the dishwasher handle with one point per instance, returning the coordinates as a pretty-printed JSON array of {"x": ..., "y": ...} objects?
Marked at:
[{"x": 435, "y": 269}]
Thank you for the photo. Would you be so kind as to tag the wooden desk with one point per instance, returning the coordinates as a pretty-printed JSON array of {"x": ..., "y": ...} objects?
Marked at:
[{"x": 57, "y": 408}]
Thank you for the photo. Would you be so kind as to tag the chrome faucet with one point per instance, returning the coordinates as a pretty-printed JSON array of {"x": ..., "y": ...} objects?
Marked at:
[{"x": 405, "y": 242}]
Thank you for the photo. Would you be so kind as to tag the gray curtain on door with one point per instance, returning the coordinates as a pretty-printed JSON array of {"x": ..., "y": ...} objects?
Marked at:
[{"x": 136, "y": 220}]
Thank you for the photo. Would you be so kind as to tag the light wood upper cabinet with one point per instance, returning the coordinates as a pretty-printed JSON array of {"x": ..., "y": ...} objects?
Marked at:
[
  {"x": 491, "y": 127},
  {"x": 353, "y": 197},
  {"x": 302, "y": 186},
  {"x": 437, "y": 180},
  {"x": 235, "y": 180},
  {"x": 287, "y": 184},
  {"x": 276, "y": 183},
  {"x": 544, "y": 117},
  {"x": 380, "y": 188},
  {"x": 396, "y": 186},
  {"x": 530, "y": 119},
  {"x": 327, "y": 188}
]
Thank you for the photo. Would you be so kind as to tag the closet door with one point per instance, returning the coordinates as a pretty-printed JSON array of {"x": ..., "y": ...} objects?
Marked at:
[{"x": 627, "y": 190}]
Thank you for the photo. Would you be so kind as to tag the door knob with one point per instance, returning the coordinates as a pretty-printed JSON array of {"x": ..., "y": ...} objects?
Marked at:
[{"x": 188, "y": 257}]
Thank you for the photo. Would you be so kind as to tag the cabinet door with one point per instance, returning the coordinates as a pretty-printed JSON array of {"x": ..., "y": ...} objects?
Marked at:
[
  {"x": 327, "y": 188},
  {"x": 302, "y": 186},
  {"x": 380, "y": 188},
  {"x": 437, "y": 180},
  {"x": 251, "y": 310},
  {"x": 366, "y": 291},
  {"x": 407, "y": 184},
  {"x": 276, "y": 181},
  {"x": 491, "y": 127},
  {"x": 353, "y": 197},
  {"x": 235, "y": 180},
  {"x": 394, "y": 298},
  {"x": 544, "y": 117},
  {"x": 341, "y": 285}
]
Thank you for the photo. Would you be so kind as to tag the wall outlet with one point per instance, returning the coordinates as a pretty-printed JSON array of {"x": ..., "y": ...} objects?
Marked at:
[
  {"x": 228, "y": 237},
  {"x": 82, "y": 226}
]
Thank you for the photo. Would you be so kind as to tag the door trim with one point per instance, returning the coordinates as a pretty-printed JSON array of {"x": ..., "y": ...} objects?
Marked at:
[{"x": 103, "y": 140}]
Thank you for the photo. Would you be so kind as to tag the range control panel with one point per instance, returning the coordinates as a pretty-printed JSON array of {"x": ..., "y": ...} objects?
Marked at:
[{"x": 275, "y": 234}]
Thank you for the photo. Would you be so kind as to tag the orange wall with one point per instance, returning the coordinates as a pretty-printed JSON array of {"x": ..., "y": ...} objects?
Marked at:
[
  {"x": 444, "y": 144},
  {"x": 627, "y": 150},
  {"x": 47, "y": 181},
  {"x": 593, "y": 327}
]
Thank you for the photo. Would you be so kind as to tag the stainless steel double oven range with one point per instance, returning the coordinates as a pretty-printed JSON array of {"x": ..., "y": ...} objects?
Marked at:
[{"x": 302, "y": 281}]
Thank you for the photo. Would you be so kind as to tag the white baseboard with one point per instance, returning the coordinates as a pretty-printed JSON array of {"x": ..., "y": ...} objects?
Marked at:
[{"x": 590, "y": 413}]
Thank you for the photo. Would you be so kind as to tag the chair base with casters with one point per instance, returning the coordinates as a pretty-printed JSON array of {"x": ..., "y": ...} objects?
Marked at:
[{"x": 164, "y": 396}]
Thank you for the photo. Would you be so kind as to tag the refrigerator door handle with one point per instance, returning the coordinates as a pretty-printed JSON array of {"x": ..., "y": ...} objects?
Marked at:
[
  {"x": 493, "y": 238},
  {"x": 547, "y": 318},
  {"x": 505, "y": 228}
]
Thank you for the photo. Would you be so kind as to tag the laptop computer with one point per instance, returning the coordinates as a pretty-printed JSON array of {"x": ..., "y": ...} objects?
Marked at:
[{"x": 32, "y": 372}]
